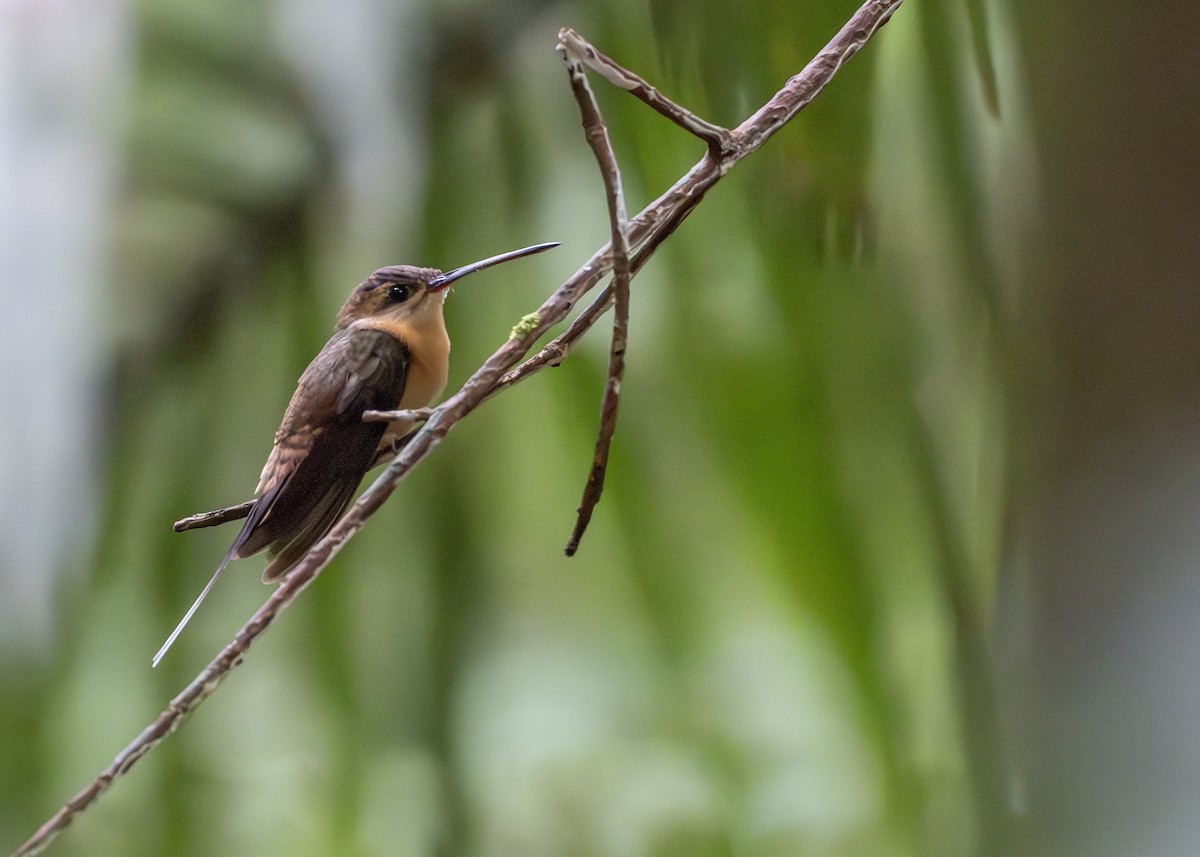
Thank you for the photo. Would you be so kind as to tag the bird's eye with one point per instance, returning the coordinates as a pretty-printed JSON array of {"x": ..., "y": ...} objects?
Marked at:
[{"x": 399, "y": 293}]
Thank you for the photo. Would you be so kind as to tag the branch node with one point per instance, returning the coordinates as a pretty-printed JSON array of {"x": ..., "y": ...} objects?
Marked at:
[{"x": 575, "y": 48}]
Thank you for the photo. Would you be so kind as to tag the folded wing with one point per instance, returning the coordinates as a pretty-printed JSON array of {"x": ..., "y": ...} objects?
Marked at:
[{"x": 323, "y": 447}]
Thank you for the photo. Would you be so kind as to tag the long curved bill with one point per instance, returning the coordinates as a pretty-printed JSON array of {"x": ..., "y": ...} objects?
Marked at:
[{"x": 442, "y": 281}]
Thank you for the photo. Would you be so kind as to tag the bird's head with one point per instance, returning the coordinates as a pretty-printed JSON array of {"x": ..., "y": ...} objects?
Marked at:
[
  {"x": 397, "y": 291},
  {"x": 404, "y": 293}
]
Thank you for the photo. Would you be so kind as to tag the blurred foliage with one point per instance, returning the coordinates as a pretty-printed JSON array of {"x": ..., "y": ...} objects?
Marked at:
[{"x": 774, "y": 639}]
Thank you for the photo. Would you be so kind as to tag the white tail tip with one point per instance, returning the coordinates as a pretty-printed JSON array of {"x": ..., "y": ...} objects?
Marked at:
[{"x": 188, "y": 616}]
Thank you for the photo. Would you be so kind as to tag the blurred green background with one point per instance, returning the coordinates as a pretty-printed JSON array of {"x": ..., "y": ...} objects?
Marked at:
[{"x": 897, "y": 552}]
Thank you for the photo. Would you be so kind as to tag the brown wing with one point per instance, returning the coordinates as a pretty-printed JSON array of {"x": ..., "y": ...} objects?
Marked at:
[{"x": 323, "y": 447}]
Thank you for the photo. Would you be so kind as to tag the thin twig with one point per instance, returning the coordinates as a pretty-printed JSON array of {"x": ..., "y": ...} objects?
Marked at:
[
  {"x": 415, "y": 415},
  {"x": 653, "y": 225},
  {"x": 573, "y": 50},
  {"x": 715, "y": 136},
  {"x": 213, "y": 518}
]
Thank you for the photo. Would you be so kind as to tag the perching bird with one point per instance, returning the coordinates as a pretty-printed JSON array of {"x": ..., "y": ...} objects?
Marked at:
[{"x": 389, "y": 351}]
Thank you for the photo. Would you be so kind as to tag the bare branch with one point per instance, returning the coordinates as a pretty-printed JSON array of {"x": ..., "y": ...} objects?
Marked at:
[
  {"x": 573, "y": 49},
  {"x": 646, "y": 231}
]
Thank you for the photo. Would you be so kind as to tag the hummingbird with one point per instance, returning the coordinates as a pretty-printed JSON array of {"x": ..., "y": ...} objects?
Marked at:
[{"x": 389, "y": 350}]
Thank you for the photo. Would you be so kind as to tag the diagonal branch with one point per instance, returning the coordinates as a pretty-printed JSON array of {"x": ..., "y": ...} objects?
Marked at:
[
  {"x": 573, "y": 49},
  {"x": 646, "y": 231}
]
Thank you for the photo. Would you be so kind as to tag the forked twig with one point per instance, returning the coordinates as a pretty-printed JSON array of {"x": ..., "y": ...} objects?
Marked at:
[
  {"x": 646, "y": 231},
  {"x": 556, "y": 350}
]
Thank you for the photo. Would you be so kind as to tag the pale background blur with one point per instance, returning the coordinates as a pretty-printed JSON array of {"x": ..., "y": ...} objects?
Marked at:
[{"x": 898, "y": 551}]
